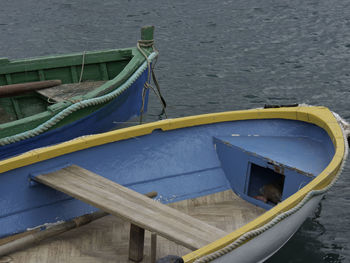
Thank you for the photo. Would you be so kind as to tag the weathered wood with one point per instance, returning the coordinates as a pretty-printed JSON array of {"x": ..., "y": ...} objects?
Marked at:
[
  {"x": 153, "y": 247},
  {"x": 147, "y": 32},
  {"x": 68, "y": 91},
  {"x": 19, "y": 241},
  {"x": 16, "y": 242},
  {"x": 15, "y": 89},
  {"x": 5, "y": 116},
  {"x": 136, "y": 243},
  {"x": 10, "y": 239},
  {"x": 137, "y": 238},
  {"x": 106, "y": 240},
  {"x": 132, "y": 206}
]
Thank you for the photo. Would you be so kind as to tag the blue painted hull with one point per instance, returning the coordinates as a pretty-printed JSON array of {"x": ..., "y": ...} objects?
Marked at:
[
  {"x": 178, "y": 164},
  {"x": 119, "y": 110}
]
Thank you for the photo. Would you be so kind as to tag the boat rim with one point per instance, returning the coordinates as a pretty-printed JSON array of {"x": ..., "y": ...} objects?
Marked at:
[
  {"x": 137, "y": 64},
  {"x": 318, "y": 115}
]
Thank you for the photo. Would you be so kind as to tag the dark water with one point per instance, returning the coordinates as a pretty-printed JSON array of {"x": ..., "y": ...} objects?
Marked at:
[{"x": 217, "y": 56}]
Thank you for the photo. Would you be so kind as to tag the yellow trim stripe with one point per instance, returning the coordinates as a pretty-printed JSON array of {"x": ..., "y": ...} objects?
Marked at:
[{"x": 319, "y": 116}]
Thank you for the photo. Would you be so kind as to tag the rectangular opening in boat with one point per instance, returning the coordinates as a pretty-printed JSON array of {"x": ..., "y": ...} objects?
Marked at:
[{"x": 264, "y": 184}]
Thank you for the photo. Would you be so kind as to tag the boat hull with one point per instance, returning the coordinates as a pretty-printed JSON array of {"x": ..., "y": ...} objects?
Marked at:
[
  {"x": 268, "y": 243},
  {"x": 188, "y": 158},
  {"x": 95, "y": 91},
  {"x": 109, "y": 116},
  {"x": 139, "y": 165}
]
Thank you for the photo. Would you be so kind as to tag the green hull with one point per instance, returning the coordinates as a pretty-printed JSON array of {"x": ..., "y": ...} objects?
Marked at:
[{"x": 25, "y": 112}]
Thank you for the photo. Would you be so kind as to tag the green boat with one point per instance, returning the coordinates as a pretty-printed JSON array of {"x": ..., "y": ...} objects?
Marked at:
[{"x": 51, "y": 99}]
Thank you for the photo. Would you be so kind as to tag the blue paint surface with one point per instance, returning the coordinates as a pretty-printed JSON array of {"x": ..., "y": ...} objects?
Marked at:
[
  {"x": 286, "y": 150},
  {"x": 119, "y": 110},
  {"x": 178, "y": 164},
  {"x": 250, "y": 162}
]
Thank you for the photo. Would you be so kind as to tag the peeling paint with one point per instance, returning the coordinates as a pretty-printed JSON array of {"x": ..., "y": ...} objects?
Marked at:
[
  {"x": 279, "y": 169},
  {"x": 46, "y": 225}
]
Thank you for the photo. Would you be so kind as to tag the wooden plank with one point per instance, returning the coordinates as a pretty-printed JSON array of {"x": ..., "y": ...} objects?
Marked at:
[
  {"x": 68, "y": 91},
  {"x": 19, "y": 241},
  {"x": 8, "y": 79},
  {"x": 107, "y": 239},
  {"x": 74, "y": 74},
  {"x": 153, "y": 247},
  {"x": 136, "y": 242},
  {"x": 53, "y": 62},
  {"x": 16, "y": 108},
  {"x": 137, "y": 238},
  {"x": 104, "y": 71},
  {"x": 132, "y": 206},
  {"x": 41, "y": 75}
]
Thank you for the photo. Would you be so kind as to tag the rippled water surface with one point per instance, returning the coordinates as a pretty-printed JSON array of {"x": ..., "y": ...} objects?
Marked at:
[{"x": 217, "y": 56}]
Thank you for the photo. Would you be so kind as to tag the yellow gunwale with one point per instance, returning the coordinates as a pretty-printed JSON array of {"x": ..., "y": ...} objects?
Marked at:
[{"x": 319, "y": 116}]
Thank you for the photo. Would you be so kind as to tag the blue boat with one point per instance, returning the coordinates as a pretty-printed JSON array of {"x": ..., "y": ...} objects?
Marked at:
[
  {"x": 276, "y": 163},
  {"x": 99, "y": 90}
]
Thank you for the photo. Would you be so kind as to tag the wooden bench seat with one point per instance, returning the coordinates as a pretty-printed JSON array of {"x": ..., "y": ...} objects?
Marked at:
[
  {"x": 132, "y": 206},
  {"x": 68, "y": 91}
]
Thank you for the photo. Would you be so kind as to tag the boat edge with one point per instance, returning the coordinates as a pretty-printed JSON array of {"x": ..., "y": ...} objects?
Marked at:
[{"x": 319, "y": 116}]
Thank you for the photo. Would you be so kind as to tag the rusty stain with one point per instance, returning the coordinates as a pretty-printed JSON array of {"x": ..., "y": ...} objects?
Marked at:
[
  {"x": 227, "y": 143},
  {"x": 279, "y": 169}
]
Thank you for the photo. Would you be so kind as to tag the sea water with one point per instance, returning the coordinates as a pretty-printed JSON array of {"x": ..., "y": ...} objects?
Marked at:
[{"x": 217, "y": 56}]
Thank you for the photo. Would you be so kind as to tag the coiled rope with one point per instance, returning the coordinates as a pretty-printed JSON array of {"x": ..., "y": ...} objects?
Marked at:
[
  {"x": 345, "y": 127},
  {"x": 79, "y": 105}
]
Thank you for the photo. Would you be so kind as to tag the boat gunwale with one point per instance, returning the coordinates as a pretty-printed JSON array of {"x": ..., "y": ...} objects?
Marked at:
[
  {"x": 54, "y": 61},
  {"x": 319, "y": 116},
  {"x": 136, "y": 61}
]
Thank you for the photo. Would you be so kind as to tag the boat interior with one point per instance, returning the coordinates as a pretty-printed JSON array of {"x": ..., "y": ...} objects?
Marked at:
[
  {"x": 107, "y": 239},
  {"x": 82, "y": 76},
  {"x": 222, "y": 174}
]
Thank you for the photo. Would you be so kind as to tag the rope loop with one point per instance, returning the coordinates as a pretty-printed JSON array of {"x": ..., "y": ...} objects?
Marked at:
[
  {"x": 146, "y": 43},
  {"x": 150, "y": 44},
  {"x": 77, "y": 106}
]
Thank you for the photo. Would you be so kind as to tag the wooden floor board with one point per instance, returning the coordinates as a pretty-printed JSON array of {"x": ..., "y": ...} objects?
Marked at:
[
  {"x": 106, "y": 239},
  {"x": 68, "y": 91},
  {"x": 132, "y": 206}
]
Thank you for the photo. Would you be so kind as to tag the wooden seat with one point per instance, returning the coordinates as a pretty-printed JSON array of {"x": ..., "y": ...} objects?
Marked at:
[
  {"x": 68, "y": 91},
  {"x": 132, "y": 206}
]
